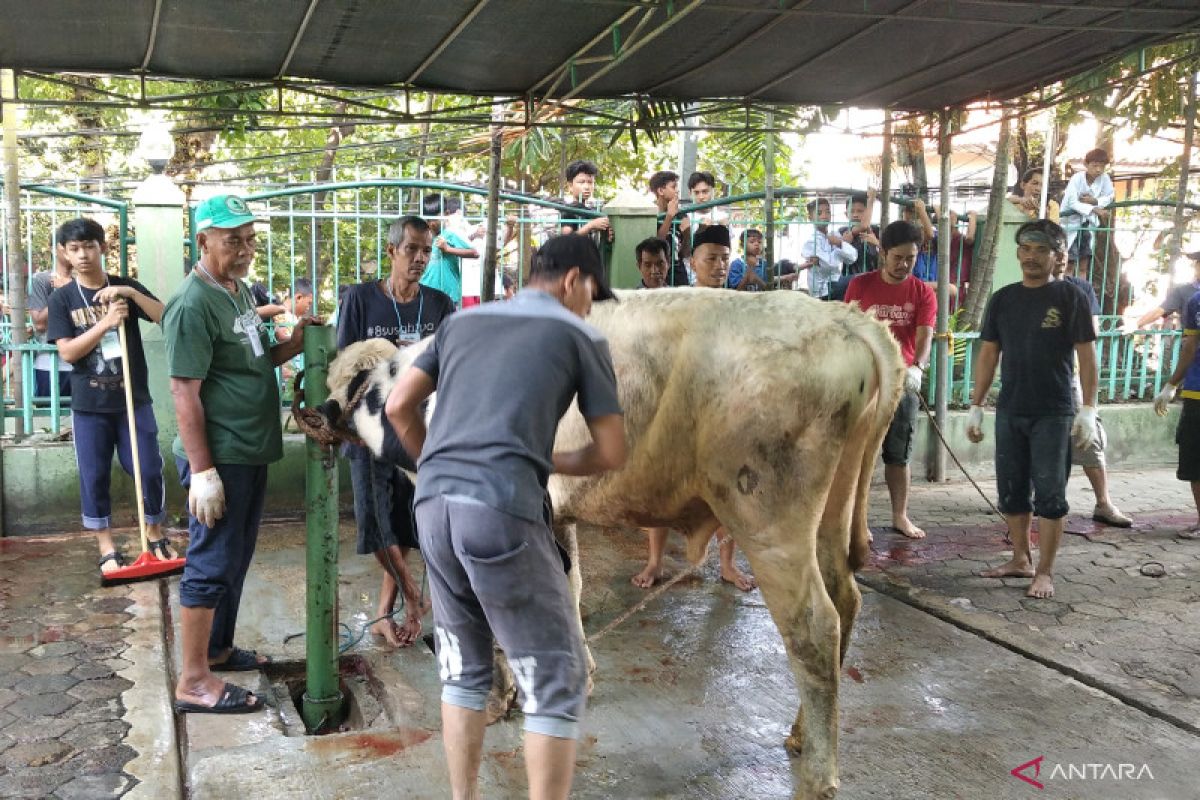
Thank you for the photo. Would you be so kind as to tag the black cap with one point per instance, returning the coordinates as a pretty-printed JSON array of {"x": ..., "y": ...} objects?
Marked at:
[
  {"x": 560, "y": 253},
  {"x": 711, "y": 234}
]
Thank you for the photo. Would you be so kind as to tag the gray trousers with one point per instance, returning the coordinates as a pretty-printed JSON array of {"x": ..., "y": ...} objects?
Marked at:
[{"x": 496, "y": 576}]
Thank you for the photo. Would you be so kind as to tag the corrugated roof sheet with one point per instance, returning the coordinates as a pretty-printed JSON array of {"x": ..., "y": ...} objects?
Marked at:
[{"x": 908, "y": 54}]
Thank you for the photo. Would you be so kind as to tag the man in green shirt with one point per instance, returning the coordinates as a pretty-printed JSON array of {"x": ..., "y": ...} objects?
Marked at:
[{"x": 222, "y": 368}]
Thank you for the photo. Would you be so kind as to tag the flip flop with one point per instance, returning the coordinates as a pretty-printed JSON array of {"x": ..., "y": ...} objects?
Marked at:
[
  {"x": 232, "y": 701},
  {"x": 240, "y": 660}
]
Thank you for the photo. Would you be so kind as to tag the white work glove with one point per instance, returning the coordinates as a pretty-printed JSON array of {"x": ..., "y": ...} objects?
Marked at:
[
  {"x": 912, "y": 379},
  {"x": 206, "y": 497},
  {"x": 1083, "y": 431},
  {"x": 1164, "y": 398},
  {"x": 975, "y": 424}
]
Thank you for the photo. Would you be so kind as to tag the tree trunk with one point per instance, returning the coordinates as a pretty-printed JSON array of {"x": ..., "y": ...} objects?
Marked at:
[
  {"x": 910, "y": 152},
  {"x": 318, "y": 267},
  {"x": 17, "y": 272},
  {"x": 985, "y": 263},
  {"x": 1189, "y": 132}
]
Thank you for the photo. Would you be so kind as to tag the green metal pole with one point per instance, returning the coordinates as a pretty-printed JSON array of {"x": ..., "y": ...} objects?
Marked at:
[{"x": 321, "y": 706}]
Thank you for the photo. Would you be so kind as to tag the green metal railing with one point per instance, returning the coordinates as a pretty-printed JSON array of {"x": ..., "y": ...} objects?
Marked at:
[
  {"x": 342, "y": 225},
  {"x": 1133, "y": 365}
]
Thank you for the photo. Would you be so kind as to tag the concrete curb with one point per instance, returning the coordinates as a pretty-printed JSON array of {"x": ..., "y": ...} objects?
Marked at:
[
  {"x": 149, "y": 703},
  {"x": 1030, "y": 644}
]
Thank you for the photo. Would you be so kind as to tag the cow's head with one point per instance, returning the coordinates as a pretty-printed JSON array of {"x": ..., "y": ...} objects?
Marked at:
[{"x": 360, "y": 380}]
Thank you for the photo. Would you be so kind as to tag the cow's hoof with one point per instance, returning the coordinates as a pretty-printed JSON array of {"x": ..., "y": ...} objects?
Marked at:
[{"x": 794, "y": 742}]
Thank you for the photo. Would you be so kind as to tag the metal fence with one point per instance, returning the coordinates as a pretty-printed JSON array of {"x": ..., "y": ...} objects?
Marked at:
[{"x": 335, "y": 234}]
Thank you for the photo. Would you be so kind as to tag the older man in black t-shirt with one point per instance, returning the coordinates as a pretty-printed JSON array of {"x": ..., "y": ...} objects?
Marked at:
[
  {"x": 1038, "y": 324},
  {"x": 397, "y": 308}
]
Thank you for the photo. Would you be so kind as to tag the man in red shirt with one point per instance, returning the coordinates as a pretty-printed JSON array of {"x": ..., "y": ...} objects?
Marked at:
[{"x": 896, "y": 296}]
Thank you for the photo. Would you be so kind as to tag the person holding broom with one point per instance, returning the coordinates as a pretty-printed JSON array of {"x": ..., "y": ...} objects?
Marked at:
[
  {"x": 222, "y": 368},
  {"x": 83, "y": 318}
]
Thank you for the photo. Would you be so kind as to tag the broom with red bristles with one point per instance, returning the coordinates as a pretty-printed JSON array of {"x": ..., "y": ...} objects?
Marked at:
[{"x": 147, "y": 565}]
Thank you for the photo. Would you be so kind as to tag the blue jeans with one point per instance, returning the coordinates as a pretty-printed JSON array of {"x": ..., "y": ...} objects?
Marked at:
[
  {"x": 96, "y": 437},
  {"x": 1033, "y": 454},
  {"x": 218, "y": 558},
  {"x": 41, "y": 383}
]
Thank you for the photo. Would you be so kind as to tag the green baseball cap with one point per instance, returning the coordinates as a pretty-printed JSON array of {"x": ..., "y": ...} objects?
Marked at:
[{"x": 223, "y": 211}]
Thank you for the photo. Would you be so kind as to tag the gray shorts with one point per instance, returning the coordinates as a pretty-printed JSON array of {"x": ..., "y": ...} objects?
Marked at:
[
  {"x": 897, "y": 443},
  {"x": 495, "y": 575},
  {"x": 383, "y": 497}
]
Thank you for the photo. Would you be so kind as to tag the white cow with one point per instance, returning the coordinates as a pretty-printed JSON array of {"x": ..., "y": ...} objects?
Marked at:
[{"x": 763, "y": 412}]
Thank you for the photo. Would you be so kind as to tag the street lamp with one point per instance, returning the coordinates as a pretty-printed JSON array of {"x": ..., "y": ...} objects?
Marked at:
[{"x": 156, "y": 145}]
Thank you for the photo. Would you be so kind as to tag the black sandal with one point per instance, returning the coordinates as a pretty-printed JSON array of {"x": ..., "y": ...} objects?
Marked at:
[
  {"x": 240, "y": 660},
  {"x": 159, "y": 548},
  {"x": 112, "y": 555},
  {"x": 233, "y": 700}
]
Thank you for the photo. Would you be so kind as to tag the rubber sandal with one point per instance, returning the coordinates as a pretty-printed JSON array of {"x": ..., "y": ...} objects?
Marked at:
[
  {"x": 112, "y": 555},
  {"x": 232, "y": 701},
  {"x": 159, "y": 548},
  {"x": 240, "y": 660}
]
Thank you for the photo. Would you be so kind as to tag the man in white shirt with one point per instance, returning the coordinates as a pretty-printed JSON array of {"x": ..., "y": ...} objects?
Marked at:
[
  {"x": 824, "y": 253},
  {"x": 1086, "y": 204}
]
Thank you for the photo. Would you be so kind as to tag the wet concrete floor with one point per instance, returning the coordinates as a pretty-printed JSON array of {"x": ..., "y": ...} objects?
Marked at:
[{"x": 693, "y": 699}]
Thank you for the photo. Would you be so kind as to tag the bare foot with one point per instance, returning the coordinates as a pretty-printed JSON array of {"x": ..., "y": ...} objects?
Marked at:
[
  {"x": 1041, "y": 588},
  {"x": 389, "y": 630},
  {"x": 649, "y": 576},
  {"x": 738, "y": 578},
  {"x": 1013, "y": 569},
  {"x": 905, "y": 526}
]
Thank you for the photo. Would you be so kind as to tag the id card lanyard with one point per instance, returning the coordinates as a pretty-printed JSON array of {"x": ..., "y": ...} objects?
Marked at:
[
  {"x": 110, "y": 342},
  {"x": 244, "y": 323},
  {"x": 400, "y": 323}
]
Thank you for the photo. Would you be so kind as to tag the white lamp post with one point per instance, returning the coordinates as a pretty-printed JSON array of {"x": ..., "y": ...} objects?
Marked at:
[{"x": 156, "y": 145}]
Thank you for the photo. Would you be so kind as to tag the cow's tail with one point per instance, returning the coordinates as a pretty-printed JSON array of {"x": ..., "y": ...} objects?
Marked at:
[{"x": 889, "y": 380}]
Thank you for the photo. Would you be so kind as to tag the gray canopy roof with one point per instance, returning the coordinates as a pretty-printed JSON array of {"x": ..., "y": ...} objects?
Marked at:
[{"x": 908, "y": 54}]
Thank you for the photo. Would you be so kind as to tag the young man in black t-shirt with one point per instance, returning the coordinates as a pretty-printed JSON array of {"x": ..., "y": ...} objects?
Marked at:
[
  {"x": 863, "y": 237},
  {"x": 397, "y": 308},
  {"x": 581, "y": 186},
  {"x": 664, "y": 185},
  {"x": 83, "y": 319},
  {"x": 1038, "y": 324}
]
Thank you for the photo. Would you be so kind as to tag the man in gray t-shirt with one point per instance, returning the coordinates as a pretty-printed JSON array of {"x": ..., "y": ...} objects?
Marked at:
[
  {"x": 41, "y": 286},
  {"x": 505, "y": 374}
]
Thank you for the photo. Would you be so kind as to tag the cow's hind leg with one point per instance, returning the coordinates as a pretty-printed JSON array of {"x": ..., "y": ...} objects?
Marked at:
[{"x": 795, "y": 593}]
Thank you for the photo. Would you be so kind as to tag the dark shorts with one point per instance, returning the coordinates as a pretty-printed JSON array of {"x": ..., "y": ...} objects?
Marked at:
[
  {"x": 383, "y": 505},
  {"x": 1033, "y": 456},
  {"x": 1187, "y": 436},
  {"x": 493, "y": 575},
  {"x": 897, "y": 444}
]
